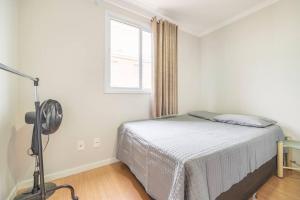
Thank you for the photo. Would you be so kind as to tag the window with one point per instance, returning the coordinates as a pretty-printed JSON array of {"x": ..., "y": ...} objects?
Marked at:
[{"x": 128, "y": 57}]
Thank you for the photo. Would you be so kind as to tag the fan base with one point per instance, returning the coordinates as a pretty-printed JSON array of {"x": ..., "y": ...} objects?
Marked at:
[{"x": 26, "y": 194}]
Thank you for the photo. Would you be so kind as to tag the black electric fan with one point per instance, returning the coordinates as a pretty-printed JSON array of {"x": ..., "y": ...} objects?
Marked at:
[{"x": 46, "y": 119}]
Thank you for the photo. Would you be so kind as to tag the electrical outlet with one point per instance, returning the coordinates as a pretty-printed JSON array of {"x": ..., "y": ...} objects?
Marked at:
[
  {"x": 80, "y": 145},
  {"x": 97, "y": 142}
]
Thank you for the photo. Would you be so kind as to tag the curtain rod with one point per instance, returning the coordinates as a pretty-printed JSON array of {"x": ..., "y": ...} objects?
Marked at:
[{"x": 12, "y": 70}]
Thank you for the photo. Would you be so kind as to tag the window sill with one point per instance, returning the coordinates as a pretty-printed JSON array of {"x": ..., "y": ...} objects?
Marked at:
[{"x": 118, "y": 91}]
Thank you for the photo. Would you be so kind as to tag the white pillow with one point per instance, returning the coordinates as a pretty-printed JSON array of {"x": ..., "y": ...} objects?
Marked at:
[
  {"x": 245, "y": 120},
  {"x": 203, "y": 115}
]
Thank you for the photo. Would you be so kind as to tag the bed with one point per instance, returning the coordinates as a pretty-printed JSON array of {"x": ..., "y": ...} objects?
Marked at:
[{"x": 188, "y": 158}]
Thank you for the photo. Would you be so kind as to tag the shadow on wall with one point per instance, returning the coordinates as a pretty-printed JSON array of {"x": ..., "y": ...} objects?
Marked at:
[{"x": 19, "y": 162}]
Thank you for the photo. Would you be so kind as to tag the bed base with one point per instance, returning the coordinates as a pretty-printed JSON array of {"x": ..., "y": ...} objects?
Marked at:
[{"x": 248, "y": 187}]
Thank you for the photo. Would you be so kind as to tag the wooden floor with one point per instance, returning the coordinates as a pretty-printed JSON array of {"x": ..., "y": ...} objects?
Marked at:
[{"x": 116, "y": 182}]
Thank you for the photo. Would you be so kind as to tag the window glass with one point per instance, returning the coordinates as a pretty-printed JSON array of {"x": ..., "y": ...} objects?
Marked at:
[
  {"x": 124, "y": 55},
  {"x": 147, "y": 57},
  {"x": 130, "y": 57}
]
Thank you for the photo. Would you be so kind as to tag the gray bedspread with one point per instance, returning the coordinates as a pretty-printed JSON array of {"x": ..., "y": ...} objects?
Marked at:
[{"x": 187, "y": 158}]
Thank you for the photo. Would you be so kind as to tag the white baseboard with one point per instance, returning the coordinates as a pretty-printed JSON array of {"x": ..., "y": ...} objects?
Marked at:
[
  {"x": 68, "y": 172},
  {"x": 12, "y": 193}
]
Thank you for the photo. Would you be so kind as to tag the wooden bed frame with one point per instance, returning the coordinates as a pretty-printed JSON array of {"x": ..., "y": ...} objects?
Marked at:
[{"x": 251, "y": 183}]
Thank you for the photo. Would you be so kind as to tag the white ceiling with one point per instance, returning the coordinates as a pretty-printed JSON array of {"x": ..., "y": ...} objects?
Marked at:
[{"x": 201, "y": 16}]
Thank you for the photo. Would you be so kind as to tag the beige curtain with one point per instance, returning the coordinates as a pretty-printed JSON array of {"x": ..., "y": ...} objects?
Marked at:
[{"x": 165, "y": 68}]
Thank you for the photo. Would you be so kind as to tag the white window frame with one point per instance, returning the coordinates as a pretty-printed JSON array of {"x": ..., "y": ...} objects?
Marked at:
[{"x": 142, "y": 27}]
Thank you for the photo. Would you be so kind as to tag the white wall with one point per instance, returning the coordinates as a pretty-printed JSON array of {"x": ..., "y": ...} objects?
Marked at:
[
  {"x": 253, "y": 66},
  {"x": 8, "y": 94},
  {"x": 62, "y": 41},
  {"x": 188, "y": 72}
]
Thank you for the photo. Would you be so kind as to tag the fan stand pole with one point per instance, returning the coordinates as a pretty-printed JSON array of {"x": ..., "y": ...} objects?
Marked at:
[{"x": 40, "y": 143}]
